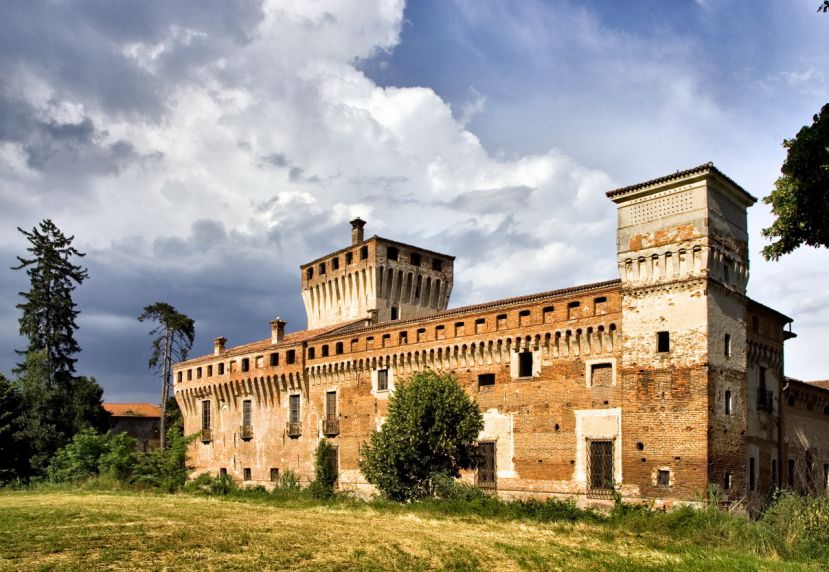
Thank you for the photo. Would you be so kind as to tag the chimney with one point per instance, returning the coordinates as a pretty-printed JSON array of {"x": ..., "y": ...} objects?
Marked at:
[
  {"x": 219, "y": 345},
  {"x": 277, "y": 330},
  {"x": 357, "y": 230}
]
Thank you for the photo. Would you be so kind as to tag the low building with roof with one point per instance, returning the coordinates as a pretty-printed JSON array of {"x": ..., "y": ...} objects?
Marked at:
[{"x": 142, "y": 421}]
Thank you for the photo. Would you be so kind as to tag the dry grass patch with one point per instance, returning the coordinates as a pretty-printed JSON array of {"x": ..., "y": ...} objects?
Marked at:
[{"x": 132, "y": 531}]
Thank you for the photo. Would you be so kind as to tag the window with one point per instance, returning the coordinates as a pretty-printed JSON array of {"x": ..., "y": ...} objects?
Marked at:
[
  {"x": 663, "y": 342},
  {"x": 392, "y": 253},
  {"x": 386, "y": 340},
  {"x": 274, "y": 475},
  {"x": 728, "y": 402},
  {"x": 363, "y": 252},
  {"x": 791, "y": 471},
  {"x": 221, "y": 369},
  {"x": 421, "y": 334},
  {"x": 245, "y": 364},
  {"x": 459, "y": 329},
  {"x": 335, "y": 263},
  {"x": 322, "y": 268},
  {"x": 223, "y": 472},
  {"x": 274, "y": 359},
  {"x": 354, "y": 343},
  {"x": 752, "y": 474},
  {"x": 331, "y": 406},
  {"x": 403, "y": 338},
  {"x": 755, "y": 324},
  {"x": 440, "y": 332},
  {"x": 246, "y": 473},
  {"x": 382, "y": 380},
  {"x": 524, "y": 318},
  {"x": 179, "y": 377},
  {"x": 486, "y": 475},
  {"x": 395, "y": 312},
  {"x": 246, "y": 406},
  {"x": 309, "y": 272},
  {"x": 525, "y": 364},
  {"x": 205, "y": 414},
  {"x": 601, "y": 374},
  {"x": 726, "y": 271},
  {"x": 485, "y": 379},
  {"x": 198, "y": 373},
  {"x": 369, "y": 342},
  {"x": 480, "y": 325},
  {"x": 290, "y": 356},
  {"x": 573, "y": 310},
  {"x": 549, "y": 314},
  {"x": 312, "y": 353},
  {"x": 826, "y": 476},
  {"x": 189, "y": 375},
  {"x": 324, "y": 350},
  {"x": 727, "y": 345},
  {"x": 600, "y": 305},
  {"x": 349, "y": 257},
  {"x": 726, "y": 482},
  {"x": 210, "y": 371},
  {"x": 415, "y": 259},
  {"x": 663, "y": 478},
  {"x": 338, "y": 348},
  {"x": 437, "y": 264},
  {"x": 501, "y": 322},
  {"x": 293, "y": 412}
]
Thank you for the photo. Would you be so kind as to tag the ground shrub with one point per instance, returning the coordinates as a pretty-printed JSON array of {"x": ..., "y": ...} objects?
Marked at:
[
  {"x": 325, "y": 471},
  {"x": 795, "y": 527},
  {"x": 90, "y": 454}
]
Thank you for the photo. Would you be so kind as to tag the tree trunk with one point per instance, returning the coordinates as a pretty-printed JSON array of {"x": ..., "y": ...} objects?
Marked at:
[{"x": 165, "y": 385}]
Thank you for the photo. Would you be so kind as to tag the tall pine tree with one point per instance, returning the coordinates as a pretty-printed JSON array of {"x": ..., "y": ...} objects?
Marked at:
[{"x": 56, "y": 403}]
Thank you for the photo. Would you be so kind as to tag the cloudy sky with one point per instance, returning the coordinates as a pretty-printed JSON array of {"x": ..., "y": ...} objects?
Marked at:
[{"x": 201, "y": 151}]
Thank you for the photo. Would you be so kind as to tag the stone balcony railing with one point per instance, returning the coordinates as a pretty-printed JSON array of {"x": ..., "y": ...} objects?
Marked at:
[
  {"x": 330, "y": 427},
  {"x": 293, "y": 428},
  {"x": 206, "y": 435},
  {"x": 246, "y": 432}
]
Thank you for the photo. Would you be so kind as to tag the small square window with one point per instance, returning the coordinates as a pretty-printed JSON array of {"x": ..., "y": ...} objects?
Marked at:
[
  {"x": 663, "y": 478},
  {"x": 459, "y": 329},
  {"x": 485, "y": 379},
  {"x": 382, "y": 380},
  {"x": 247, "y": 473},
  {"x": 392, "y": 253},
  {"x": 386, "y": 340},
  {"x": 223, "y": 472},
  {"x": 403, "y": 338},
  {"x": 349, "y": 257},
  {"x": 440, "y": 332},
  {"x": 549, "y": 314},
  {"x": 414, "y": 258},
  {"x": 480, "y": 325},
  {"x": 524, "y": 318},
  {"x": 290, "y": 356},
  {"x": 421, "y": 334},
  {"x": 274, "y": 359},
  {"x": 437, "y": 264},
  {"x": 573, "y": 310},
  {"x": 274, "y": 475},
  {"x": 335, "y": 263},
  {"x": 324, "y": 350},
  {"x": 370, "y": 342},
  {"x": 663, "y": 342}
]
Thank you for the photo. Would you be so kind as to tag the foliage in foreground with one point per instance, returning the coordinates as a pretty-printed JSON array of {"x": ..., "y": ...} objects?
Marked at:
[{"x": 431, "y": 428}]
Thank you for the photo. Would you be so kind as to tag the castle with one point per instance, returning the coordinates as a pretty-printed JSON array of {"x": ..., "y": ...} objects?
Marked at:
[{"x": 660, "y": 383}]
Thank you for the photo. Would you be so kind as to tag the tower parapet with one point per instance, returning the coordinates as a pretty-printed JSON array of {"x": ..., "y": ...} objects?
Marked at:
[{"x": 375, "y": 275}]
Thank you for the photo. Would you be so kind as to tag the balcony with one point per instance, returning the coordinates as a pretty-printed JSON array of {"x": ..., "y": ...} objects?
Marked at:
[
  {"x": 294, "y": 429},
  {"x": 246, "y": 432},
  {"x": 331, "y": 427},
  {"x": 765, "y": 400},
  {"x": 206, "y": 435}
]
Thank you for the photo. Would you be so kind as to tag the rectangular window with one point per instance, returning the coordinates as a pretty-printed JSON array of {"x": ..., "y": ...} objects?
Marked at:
[
  {"x": 486, "y": 475},
  {"x": 600, "y": 305},
  {"x": 440, "y": 332},
  {"x": 421, "y": 334},
  {"x": 335, "y": 263},
  {"x": 403, "y": 338},
  {"x": 210, "y": 371},
  {"x": 331, "y": 405},
  {"x": 825, "y": 476},
  {"x": 600, "y": 467},
  {"x": 309, "y": 272},
  {"x": 290, "y": 356},
  {"x": 260, "y": 361},
  {"x": 524, "y": 318},
  {"x": 414, "y": 259},
  {"x": 791, "y": 474},
  {"x": 573, "y": 310},
  {"x": 486, "y": 379},
  {"x": 231, "y": 365},
  {"x": 338, "y": 348},
  {"x": 727, "y": 345},
  {"x": 382, "y": 380},
  {"x": 189, "y": 375},
  {"x": 349, "y": 258},
  {"x": 601, "y": 374},
  {"x": 274, "y": 359},
  {"x": 246, "y": 473},
  {"x": 726, "y": 482},
  {"x": 458, "y": 329},
  {"x": 549, "y": 314},
  {"x": 312, "y": 353},
  {"x": 501, "y": 322},
  {"x": 663, "y": 342},
  {"x": 198, "y": 373},
  {"x": 205, "y": 414},
  {"x": 370, "y": 342},
  {"x": 293, "y": 412},
  {"x": 392, "y": 253},
  {"x": 752, "y": 474},
  {"x": 728, "y": 402},
  {"x": 179, "y": 377},
  {"x": 437, "y": 264},
  {"x": 246, "y": 410},
  {"x": 223, "y": 472},
  {"x": 322, "y": 268},
  {"x": 525, "y": 364},
  {"x": 386, "y": 339},
  {"x": 726, "y": 271},
  {"x": 663, "y": 478},
  {"x": 245, "y": 364},
  {"x": 274, "y": 475},
  {"x": 363, "y": 253},
  {"x": 354, "y": 343},
  {"x": 480, "y": 325},
  {"x": 324, "y": 350},
  {"x": 221, "y": 367}
]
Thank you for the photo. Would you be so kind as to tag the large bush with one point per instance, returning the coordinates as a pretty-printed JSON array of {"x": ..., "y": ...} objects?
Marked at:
[
  {"x": 167, "y": 469},
  {"x": 92, "y": 454},
  {"x": 325, "y": 470},
  {"x": 431, "y": 428}
]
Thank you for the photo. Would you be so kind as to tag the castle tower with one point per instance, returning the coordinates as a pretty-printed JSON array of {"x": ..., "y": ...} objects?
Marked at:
[
  {"x": 375, "y": 278},
  {"x": 682, "y": 253}
]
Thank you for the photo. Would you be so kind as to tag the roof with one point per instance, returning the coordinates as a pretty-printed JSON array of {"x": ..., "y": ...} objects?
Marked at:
[
  {"x": 699, "y": 169},
  {"x": 824, "y": 383},
  {"x": 133, "y": 409},
  {"x": 366, "y": 241}
]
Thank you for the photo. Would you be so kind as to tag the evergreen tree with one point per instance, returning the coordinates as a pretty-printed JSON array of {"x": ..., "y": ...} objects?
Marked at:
[
  {"x": 12, "y": 448},
  {"x": 174, "y": 338}
]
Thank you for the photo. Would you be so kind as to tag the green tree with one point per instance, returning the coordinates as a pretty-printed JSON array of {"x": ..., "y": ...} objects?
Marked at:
[
  {"x": 800, "y": 200},
  {"x": 12, "y": 449},
  {"x": 431, "y": 429},
  {"x": 325, "y": 470},
  {"x": 174, "y": 337},
  {"x": 91, "y": 454}
]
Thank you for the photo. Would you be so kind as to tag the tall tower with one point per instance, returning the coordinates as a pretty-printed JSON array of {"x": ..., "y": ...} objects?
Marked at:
[
  {"x": 682, "y": 253},
  {"x": 375, "y": 278}
]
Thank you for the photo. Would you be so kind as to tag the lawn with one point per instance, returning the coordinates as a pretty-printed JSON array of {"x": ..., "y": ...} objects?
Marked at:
[{"x": 146, "y": 531}]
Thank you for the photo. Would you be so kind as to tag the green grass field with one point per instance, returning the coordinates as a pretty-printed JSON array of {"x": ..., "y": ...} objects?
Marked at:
[{"x": 62, "y": 530}]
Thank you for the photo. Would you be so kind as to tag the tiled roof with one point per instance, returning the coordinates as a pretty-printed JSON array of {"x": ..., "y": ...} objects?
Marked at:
[
  {"x": 824, "y": 383},
  {"x": 705, "y": 167},
  {"x": 133, "y": 409}
]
